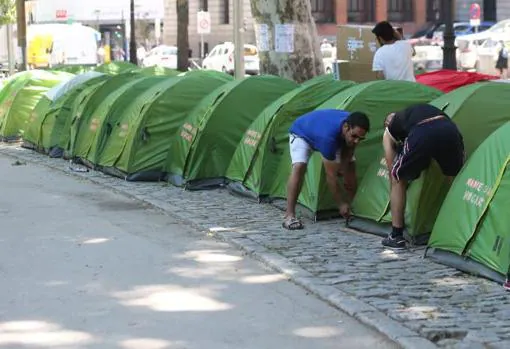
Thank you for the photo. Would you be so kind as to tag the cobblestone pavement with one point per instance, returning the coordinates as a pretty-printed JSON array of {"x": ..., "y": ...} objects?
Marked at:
[{"x": 412, "y": 300}]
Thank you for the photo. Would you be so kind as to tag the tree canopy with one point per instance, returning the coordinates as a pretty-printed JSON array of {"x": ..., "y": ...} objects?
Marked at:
[{"x": 7, "y": 11}]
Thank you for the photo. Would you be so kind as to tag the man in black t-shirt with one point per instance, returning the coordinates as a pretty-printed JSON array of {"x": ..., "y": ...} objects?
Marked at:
[{"x": 413, "y": 137}]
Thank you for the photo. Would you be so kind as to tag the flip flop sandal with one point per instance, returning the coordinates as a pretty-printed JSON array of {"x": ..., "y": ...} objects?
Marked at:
[{"x": 292, "y": 224}]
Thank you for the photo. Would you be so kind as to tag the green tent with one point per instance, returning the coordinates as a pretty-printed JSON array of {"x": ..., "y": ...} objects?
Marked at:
[
  {"x": 70, "y": 112},
  {"x": 31, "y": 138},
  {"x": 93, "y": 125},
  {"x": 74, "y": 68},
  {"x": 83, "y": 115},
  {"x": 116, "y": 67},
  {"x": 377, "y": 99},
  {"x": 251, "y": 171},
  {"x": 46, "y": 129},
  {"x": 157, "y": 70},
  {"x": 426, "y": 194},
  {"x": 34, "y": 134},
  {"x": 11, "y": 88},
  {"x": 472, "y": 229},
  {"x": 138, "y": 145},
  {"x": 16, "y": 110},
  {"x": 200, "y": 155},
  {"x": 114, "y": 108},
  {"x": 13, "y": 84}
]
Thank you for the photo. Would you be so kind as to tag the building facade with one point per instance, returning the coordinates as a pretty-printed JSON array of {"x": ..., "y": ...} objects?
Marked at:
[
  {"x": 409, "y": 14},
  {"x": 328, "y": 14},
  {"x": 222, "y": 28}
]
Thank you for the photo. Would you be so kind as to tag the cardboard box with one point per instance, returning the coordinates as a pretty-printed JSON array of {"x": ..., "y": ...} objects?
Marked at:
[
  {"x": 356, "y": 43},
  {"x": 358, "y": 72},
  {"x": 356, "y": 46}
]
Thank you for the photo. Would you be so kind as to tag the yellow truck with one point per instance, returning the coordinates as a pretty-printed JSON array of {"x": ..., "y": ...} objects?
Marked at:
[{"x": 39, "y": 51}]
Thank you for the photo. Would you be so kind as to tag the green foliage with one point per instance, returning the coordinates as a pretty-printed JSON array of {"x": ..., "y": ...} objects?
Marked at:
[{"x": 7, "y": 11}]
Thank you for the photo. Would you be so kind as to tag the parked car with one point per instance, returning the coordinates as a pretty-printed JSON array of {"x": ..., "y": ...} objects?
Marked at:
[
  {"x": 461, "y": 29},
  {"x": 488, "y": 54},
  {"x": 163, "y": 56},
  {"x": 468, "y": 45},
  {"x": 428, "y": 58},
  {"x": 221, "y": 58},
  {"x": 433, "y": 33}
]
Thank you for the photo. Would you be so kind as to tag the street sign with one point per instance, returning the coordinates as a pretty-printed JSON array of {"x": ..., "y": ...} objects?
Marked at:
[
  {"x": 474, "y": 14},
  {"x": 203, "y": 22}
]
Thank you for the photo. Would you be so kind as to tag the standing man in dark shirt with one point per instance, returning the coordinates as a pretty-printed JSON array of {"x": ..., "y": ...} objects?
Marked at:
[
  {"x": 413, "y": 137},
  {"x": 334, "y": 134}
]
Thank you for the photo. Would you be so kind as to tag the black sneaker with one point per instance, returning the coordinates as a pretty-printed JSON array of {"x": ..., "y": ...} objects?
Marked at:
[{"x": 394, "y": 242}]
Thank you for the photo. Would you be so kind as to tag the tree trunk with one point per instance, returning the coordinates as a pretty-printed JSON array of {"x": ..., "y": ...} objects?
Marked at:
[
  {"x": 182, "y": 35},
  {"x": 305, "y": 62}
]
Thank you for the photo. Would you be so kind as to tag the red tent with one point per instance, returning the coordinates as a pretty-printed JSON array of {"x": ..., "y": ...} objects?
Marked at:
[{"x": 449, "y": 80}]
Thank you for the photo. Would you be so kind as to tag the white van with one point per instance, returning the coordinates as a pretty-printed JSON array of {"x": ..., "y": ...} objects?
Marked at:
[{"x": 54, "y": 44}]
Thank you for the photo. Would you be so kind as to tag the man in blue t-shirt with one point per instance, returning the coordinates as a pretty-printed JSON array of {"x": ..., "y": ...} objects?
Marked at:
[{"x": 334, "y": 134}]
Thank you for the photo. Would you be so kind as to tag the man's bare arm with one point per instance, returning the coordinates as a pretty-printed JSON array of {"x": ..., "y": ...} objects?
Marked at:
[
  {"x": 348, "y": 172},
  {"x": 389, "y": 150},
  {"x": 332, "y": 168}
]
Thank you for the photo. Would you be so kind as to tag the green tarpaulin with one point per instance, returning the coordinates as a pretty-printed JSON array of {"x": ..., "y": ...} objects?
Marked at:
[
  {"x": 139, "y": 142},
  {"x": 200, "y": 155},
  {"x": 472, "y": 230},
  {"x": 377, "y": 99},
  {"x": 467, "y": 106},
  {"x": 254, "y": 164},
  {"x": 22, "y": 98}
]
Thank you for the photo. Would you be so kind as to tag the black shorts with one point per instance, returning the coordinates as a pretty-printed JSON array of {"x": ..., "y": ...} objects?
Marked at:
[{"x": 437, "y": 139}]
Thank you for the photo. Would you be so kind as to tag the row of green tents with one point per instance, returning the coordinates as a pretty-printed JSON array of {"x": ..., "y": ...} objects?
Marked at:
[{"x": 202, "y": 129}]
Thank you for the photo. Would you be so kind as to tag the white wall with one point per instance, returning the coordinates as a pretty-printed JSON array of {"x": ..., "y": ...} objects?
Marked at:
[
  {"x": 92, "y": 10},
  {"x": 502, "y": 9}
]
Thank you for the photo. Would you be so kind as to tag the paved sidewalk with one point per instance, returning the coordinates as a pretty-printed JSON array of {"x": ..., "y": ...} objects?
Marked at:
[{"x": 412, "y": 300}]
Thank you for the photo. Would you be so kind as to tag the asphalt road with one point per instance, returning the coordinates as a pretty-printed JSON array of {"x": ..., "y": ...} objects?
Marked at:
[{"x": 83, "y": 267}]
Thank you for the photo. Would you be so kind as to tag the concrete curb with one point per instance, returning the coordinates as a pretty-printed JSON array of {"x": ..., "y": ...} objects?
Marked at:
[{"x": 345, "y": 302}]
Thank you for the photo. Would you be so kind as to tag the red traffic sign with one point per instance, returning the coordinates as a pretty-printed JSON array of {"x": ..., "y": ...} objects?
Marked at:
[
  {"x": 61, "y": 14},
  {"x": 474, "y": 11}
]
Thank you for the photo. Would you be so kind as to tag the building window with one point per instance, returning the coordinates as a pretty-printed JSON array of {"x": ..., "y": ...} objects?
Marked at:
[
  {"x": 204, "y": 5},
  {"x": 400, "y": 11},
  {"x": 225, "y": 12},
  {"x": 206, "y": 49},
  {"x": 489, "y": 10},
  {"x": 323, "y": 11},
  {"x": 361, "y": 11},
  {"x": 433, "y": 10}
]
